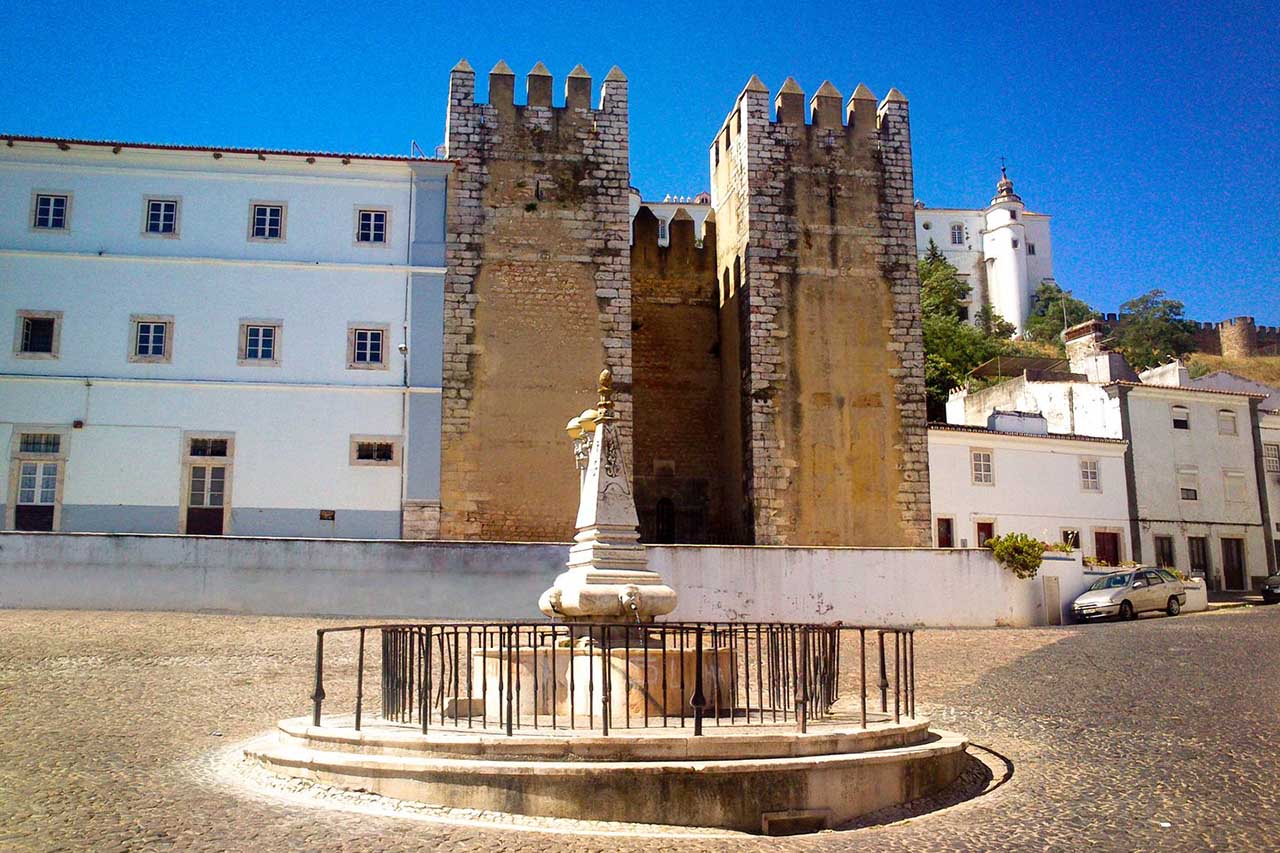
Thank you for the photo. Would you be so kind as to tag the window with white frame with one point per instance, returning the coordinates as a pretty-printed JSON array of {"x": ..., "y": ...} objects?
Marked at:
[
  {"x": 980, "y": 464},
  {"x": 1189, "y": 483},
  {"x": 1181, "y": 417},
  {"x": 367, "y": 346},
  {"x": 50, "y": 212},
  {"x": 260, "y": 342},
  {"x": 1226, "y": 422},
  {"x": 375, "y": 450},
  {"x": 1271, "y": 458},
  {"x": 1090, "y": 478},
  {"x": 38, "y": 334},
  {"x": 161, "y": 217},
  {"x": 208, "y": 486},
  {"x": 266, "y": 221},
  {"x": 1235, "y": 486},
  {"x": 150, "y": 338},
  {"x": 371, "y": 226},
  {"x": 957, "y": 234}
]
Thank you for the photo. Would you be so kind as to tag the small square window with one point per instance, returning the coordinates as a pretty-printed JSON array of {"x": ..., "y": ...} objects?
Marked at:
[
  {"x": 957, "y": 235},
  {"x": 1189, "y": 484},
  {"x": 367, "y": 346},
  {"x": 1181, "y": 417},
  {"x": 1031, "y": 249},
  {"x": 1234, "y": 486},
  {"x": 161, "y": 217},
  {"x": 50, "y": 212},
  {"x": 375, "y": 450},
  {"x": 266, "y": 221},
  {"x": 1271, "y": 458},
  {"x": 982, "y": 468},
  {"x": 150, "y": 338},
  {"x": 1226, "y": 422},
  {"x": 371, "y": 226},
  {"x": 38, "y": 334},
  {"x": 259, "y": 342}
]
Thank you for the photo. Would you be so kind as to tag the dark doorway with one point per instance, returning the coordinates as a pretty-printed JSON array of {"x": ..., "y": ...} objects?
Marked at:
[
  {"x": 1106, "y": 546},
  {"x": 33, "y": 517},
  {"x": 946, "y": 535},
  {"x": 1233, "y": 563},
  {"x": 1164, "y": 552},
  {"x": 664, "y": 522}
]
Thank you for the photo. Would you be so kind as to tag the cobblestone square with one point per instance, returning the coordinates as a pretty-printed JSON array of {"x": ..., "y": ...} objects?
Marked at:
[{"x": 1152, "y": 734}]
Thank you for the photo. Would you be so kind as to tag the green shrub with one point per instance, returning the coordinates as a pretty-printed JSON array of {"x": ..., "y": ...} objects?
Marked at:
[{"x": 1018, "y": 552}]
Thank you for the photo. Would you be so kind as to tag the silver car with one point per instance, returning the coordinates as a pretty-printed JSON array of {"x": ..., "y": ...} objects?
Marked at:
[{"x": 1128, "y": 593}]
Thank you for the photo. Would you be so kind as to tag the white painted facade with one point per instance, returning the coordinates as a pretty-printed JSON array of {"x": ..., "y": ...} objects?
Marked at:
[
  {"x": 1048, "y": 486},
  {"x": 697, "y": 207},
  {"x": 125, "y": 420},
  {"x": 1198, "y": 493},
  {"x": 1003, "y": 251}
]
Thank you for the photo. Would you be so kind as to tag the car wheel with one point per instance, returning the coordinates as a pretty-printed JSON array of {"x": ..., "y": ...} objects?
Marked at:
[
  {"x": 1126, "y": 611},
  {"x": 1174, "y": 607}
]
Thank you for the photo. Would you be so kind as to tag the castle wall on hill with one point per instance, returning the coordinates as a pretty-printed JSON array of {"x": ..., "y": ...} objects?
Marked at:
[
  {"x": 679, "y": 474},
  {"x": 816, "y": 241},
  {"x": 537, "y": 296},
  {"x": 1234, "y": 338}
]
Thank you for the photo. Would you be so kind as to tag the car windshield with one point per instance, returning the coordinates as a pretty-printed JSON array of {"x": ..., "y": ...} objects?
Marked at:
[{"x": 1112, "y": 581}]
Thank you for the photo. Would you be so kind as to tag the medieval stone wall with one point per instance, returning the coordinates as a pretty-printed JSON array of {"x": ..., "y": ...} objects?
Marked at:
[
  {"x": 676, "y": 358},
  {"x": 818, "y": 219},
  {"x": 537, "y": 296}
]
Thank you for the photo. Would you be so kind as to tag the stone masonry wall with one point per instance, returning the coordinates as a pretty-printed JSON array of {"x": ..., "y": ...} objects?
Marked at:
[
  {"x": 676, "y": 359},
  {"x": 819, "y": 216},
  {"x": 537, "y": 296}
]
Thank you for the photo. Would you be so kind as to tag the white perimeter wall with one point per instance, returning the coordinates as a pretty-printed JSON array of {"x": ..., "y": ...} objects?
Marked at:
[{"x": 449, "y": 580}]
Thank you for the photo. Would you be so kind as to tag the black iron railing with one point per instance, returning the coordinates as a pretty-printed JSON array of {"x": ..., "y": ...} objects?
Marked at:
[{"x": 540, "y": 676}]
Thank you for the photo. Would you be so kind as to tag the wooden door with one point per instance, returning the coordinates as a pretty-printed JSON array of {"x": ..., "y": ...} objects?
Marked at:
[
  {"x": 1233, "y": 563},
  {"x": 1106, "y": 546}
]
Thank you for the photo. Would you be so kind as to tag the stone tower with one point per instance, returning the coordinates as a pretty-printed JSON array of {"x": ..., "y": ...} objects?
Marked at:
[
  {"x": 1238, "y": 337},
  {"x": 823, "y": 355},
  {"x": 680, "y": 473},
  {"x": 537, "y": 292}
]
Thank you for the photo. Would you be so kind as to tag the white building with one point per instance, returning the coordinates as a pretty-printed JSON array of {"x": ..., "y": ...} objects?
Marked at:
[
  {"x": 697, "y": 207},
  {"x": 1003, "y": 251},
  {"x": 1195, "y": 460},
  {"x": 1014, "y": 476},
  {"x": 212, "y": 340}
]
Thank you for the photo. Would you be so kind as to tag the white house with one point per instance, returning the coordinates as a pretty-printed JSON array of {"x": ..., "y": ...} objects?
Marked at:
[
  {"x": 1003, "y": 251},
  {"x": 697, "y": 207},
  {"x": 1195, "y": 460},
  {"x": 1014, "y": 476},
  {"x": 220, "y": 341}
]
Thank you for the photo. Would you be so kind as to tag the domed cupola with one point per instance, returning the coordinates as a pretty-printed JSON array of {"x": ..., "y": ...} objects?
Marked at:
[{"x": 1004, "y": 189}]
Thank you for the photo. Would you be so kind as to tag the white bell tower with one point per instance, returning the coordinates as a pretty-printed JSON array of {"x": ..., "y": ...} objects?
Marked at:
[{"x": 1004, "y": 246}]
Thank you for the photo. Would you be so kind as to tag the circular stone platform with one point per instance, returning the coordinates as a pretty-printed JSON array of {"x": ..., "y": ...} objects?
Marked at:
[{"x": 757, "y": 778}]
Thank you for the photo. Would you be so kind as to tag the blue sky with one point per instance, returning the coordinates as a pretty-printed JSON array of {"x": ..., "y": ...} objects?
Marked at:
[{"x": 1148, "y": 130}]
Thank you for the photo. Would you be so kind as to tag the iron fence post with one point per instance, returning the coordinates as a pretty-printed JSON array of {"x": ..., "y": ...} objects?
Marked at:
[
  {"x": 884, "y": 678},
  {"x": 698, "y": 700},
  {"x": 317, "y": 695},
  {"x": 360, "y": 680}
]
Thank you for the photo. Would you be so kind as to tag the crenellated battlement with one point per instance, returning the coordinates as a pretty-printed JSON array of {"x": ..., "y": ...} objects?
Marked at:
[
  {"x": 683, "y": 246},
  {"x": 538, "y": 89}
]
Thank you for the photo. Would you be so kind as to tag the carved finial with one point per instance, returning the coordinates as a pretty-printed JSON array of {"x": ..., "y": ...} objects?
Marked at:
[
  {"x": 464, "y": 67},
  {"x": 579, "y": 71},
  {"x": 755, "y": 85},
  {"x": 502, "y": 68},
  {"x": 615, "y": 75}
]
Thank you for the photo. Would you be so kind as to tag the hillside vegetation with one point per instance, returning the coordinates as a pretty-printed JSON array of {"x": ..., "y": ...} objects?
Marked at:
[{"x": 1264, "y": 369}]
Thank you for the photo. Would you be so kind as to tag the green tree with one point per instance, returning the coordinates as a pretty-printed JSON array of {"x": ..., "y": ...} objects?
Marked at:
[
  {"x": 992, "y": 324},
  {"x": 952, "y": 346},
  {"x": 1053, "y": 310},
  {"x": 942, "y": 291},
  {"x": 1152, "y": 330}
]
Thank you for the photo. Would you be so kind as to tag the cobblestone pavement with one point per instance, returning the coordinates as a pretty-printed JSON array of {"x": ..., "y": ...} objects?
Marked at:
[{"x": 1159, "y": 733}]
